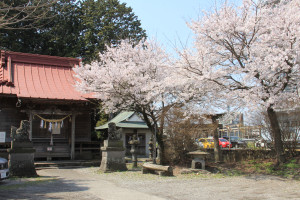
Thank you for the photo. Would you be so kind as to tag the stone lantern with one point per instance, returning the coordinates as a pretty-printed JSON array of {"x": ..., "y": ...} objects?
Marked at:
[
  {"x": 134, "y": 142},
  {"x": 151, "y": 148}
]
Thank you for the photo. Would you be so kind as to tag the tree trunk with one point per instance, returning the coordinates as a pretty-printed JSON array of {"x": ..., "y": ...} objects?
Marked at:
[
  {"x": 217, "y": 149},
  {"x": 153, "y": 128},
  {"x": 276, "y": 132},
  {"x": 161, "y": 147},
  {"x": 160, "y": 139}
]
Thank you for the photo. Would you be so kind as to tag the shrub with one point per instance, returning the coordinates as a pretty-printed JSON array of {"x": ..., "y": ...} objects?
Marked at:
[{"x": 180, "y": 136}]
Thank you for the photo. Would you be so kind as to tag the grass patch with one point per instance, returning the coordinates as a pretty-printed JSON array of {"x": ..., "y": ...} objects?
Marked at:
[
  {"x": 291, "y": 169},
  {"x": 130, "y": 166},
  {"x": 21, "y": 182},
  {"x": 234, "y": 172}
]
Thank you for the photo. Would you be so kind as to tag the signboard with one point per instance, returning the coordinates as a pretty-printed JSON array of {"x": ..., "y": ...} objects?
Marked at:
[
  {"x": 2, "y": 137},
  {"x": 56, "y": 130}
]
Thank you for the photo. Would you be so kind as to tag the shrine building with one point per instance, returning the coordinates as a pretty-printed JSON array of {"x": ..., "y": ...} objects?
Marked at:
[{"x": 41, "y": 89}]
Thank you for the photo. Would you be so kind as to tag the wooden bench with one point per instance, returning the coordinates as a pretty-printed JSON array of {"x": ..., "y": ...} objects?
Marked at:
[{"x": 157, "y": 169}]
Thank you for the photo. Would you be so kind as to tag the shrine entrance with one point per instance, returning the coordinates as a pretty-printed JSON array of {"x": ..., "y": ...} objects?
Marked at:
[{"x": 53, "y": 133}]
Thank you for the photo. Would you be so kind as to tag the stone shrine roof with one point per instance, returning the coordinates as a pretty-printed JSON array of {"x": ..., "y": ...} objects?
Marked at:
[{"x": 125, "y": 119}]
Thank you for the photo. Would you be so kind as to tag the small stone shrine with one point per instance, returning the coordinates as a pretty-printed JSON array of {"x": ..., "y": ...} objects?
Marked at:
[
  {"x": 198, "y": 157},
  {"x": 21, "y": 154},
  {"x": 113, "y": 152}
]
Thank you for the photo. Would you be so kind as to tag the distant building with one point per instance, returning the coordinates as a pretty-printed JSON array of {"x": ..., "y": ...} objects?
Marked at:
[
  {"x": 289, "y": 121},
  {"x": 288, "y": 115},
  {"x": 236, "y": 127}
]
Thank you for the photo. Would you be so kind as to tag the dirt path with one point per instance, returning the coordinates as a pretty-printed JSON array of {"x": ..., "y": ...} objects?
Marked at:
[{"x": 87, "y": 183}]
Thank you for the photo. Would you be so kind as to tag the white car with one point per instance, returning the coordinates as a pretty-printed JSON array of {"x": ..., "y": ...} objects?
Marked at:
[{"x": 4, "y": 171}]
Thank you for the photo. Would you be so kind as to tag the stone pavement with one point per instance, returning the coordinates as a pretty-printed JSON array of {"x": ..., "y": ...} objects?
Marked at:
[{"x": 67, "y": 183}]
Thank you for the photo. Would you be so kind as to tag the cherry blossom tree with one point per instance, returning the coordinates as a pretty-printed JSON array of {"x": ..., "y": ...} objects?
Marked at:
[
  {"x": 131, "y": 77},
  {"x": 251, "y": 53},
  {"x": 202, "y": 97}
]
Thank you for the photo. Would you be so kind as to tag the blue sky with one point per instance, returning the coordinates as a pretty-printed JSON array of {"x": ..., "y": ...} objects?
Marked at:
[{"x": 166, "y": 20}]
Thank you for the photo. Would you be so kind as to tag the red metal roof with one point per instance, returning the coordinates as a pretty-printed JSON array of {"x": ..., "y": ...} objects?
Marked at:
[{"x": 38, "y": 76}]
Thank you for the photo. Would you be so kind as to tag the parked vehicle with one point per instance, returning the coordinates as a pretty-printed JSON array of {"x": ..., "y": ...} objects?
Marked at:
[
  {"x": 262, "y": 143},
  {"x": 206, "y": 143},
  {"x": 4, "y": 171},
  {"x": 223, "y": 143},
  {"x": 236, "y": 141}
]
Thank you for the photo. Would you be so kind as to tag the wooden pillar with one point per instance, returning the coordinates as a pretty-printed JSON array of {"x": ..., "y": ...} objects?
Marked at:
[
  {"x": 73, "y": 137},
  {"x": 259, "y": 131},
  {"x": 30, "y": 121},
  {"x": 9, "y": 68}
]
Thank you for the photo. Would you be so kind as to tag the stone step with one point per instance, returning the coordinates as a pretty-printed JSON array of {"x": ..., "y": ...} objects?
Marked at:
[{"x": 67, "y": 163}]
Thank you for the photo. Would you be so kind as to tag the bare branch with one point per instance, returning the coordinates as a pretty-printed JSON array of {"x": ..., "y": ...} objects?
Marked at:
[{"x": 24, "y": 16}]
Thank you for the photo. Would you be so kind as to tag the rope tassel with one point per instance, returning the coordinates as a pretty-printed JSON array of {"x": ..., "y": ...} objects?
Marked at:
[
  {"x": 50, "y": 126},
  {"x": 42, "y": 123}
]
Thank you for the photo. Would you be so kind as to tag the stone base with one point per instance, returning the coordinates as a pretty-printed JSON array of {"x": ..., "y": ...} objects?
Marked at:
[
  {"x": 22, "y": 164},
  {"x": 21, "y": 145},
  {"x": 198, "y": 160},
  {"x": 113, "y": 157}
]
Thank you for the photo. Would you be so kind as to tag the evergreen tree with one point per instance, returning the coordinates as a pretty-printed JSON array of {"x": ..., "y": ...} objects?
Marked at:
[
  {"x": 75, "y": 29},
  {"x": 107, "y": 22}
]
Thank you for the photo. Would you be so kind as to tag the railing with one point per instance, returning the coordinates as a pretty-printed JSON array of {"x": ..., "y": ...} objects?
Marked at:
[{"x": 91, "y": 147}]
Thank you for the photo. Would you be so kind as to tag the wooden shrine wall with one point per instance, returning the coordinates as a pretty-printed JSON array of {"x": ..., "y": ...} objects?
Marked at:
[{"x": 10, "y": 116}]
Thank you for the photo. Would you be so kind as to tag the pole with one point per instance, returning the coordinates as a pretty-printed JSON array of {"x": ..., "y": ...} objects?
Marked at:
[
  {"x": 73, "y": 137},
  {"x": 30, "y": 121},
  {"x": 229, "y": 132}
]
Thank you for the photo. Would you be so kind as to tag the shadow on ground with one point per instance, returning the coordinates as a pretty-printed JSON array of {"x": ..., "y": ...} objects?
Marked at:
[{"x": 42, "y": 187}]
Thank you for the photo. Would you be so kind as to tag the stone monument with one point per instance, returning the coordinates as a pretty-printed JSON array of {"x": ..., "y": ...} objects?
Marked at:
[
  {"x": 113, "y": 152},
  {"x": 21, "y": 153}
]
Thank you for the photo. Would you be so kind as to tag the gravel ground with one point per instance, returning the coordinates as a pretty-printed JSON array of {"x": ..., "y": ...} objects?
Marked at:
[{"x": 88, "y": 183}]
